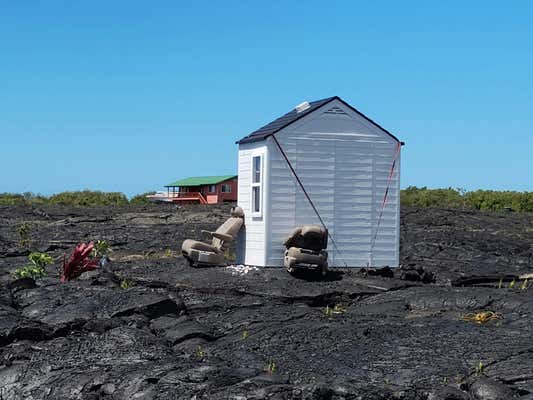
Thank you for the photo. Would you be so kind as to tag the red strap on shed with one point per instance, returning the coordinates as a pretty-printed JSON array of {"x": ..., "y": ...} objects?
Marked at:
[{"x": 384, "y": 202}]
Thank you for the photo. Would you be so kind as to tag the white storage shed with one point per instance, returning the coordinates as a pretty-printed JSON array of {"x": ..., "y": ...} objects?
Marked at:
[{"x": 322, "y": 163}]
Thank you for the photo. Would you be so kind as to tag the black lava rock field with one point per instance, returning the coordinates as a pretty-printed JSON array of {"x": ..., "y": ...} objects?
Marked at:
[{"x": 454, "y": 322}]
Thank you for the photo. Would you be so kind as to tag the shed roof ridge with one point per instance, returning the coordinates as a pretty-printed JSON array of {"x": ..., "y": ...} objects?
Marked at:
[{"x": 292, "y": 116}]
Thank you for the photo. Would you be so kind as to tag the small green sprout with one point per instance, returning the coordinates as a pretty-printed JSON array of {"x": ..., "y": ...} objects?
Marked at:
[
  {"x": 524, "y": 285},
  {"x": 35, "y": 268},
  {"x": 168, "y": 253},
  {"x": 271, "y": 368},
  {"x": 149, "y": 253},
  {"x": 500, "y": 285},
  {"x": 40, "y": 259},
  {"x": 101, "y": 249},
  {"x": 512, "y": 283},
  {"x": 125, "y": 284},
  {"x": 200, "y": 353},
  {"x": 245, "y": 335},
  {"x": 230, "y": 255},
  {"x": 23, "y": 231},
  {"x": 480, "y": 369},
  {"x": 29, "y": 271}
]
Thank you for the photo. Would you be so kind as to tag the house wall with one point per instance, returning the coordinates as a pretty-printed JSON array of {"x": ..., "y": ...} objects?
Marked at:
[
  {"x": 217, "y": 196},
  {"x": 211, "y": 198},
  {"x": 232, "y": 196},
  {"x": 251, "y": 244},
  {"x": 344, "y": 162}
]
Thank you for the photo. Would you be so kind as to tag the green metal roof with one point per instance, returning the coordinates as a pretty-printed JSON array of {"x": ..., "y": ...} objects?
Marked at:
[{"x": 201, "y": 180}]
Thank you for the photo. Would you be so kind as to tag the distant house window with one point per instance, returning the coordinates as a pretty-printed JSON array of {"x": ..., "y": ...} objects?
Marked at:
[
  {"x": 226, "y": 188},
  {"x": 257, "y": 181},
  {"x": 212, "y": 188}
]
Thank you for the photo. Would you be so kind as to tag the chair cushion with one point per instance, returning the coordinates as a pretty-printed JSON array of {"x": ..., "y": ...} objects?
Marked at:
[
  {"x": 308, "y": 237},
  {"x": 231, "y": 226},
  {"x": 190, "y": 244},
  {"x": 302, "y": 256},
  {"x": 294, "y": 239},
  {"x": 315, "y": 237}
]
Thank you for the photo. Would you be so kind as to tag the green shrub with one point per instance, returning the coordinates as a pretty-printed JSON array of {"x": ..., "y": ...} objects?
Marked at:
[
  {"x": 89, "y": 198},
  {"x": 492, "y": 200},
  {"x": 141, "y": 198},
  {"x": 489, "y": 200},
  {"x": 11, "y": 199},
  {"x": 424, "y": 197},
  {"x": 32, "y": 198},
  {"x": 23, "y": 232},
  {"x": 81, "y": 198}
]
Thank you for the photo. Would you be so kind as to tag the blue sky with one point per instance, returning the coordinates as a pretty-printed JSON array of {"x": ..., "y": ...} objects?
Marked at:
[{"x": 127, "y": 96}]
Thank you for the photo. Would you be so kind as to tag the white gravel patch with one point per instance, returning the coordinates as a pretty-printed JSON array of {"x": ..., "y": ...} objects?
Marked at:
[{"x": 241, "y": 269}]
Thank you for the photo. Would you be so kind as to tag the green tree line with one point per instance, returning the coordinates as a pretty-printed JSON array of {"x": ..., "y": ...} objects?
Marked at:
[
  {"x": 490, "y": 200},
  {"x": 78, "y": 199}
]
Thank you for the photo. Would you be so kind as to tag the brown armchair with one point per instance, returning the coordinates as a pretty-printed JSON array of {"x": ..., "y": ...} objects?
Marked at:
[{"x": 306, "y": 249}]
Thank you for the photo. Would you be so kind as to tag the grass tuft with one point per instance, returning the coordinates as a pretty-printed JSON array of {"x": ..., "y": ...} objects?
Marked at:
[
  {"x": 335, "y": 310},
  {"x": 480, "y": 369},
  {"x": 271, "y": 368},
  {"x": 481, "y": 317},
  {"x": 200, "y": 352},
  {"x": 125, "y": 284}
]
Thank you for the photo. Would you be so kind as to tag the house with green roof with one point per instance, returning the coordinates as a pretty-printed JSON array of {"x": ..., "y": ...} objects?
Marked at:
[{"x": 200, "y": 189}]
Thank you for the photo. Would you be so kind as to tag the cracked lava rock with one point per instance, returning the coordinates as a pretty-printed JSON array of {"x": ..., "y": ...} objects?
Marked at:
[{"x": 147, "y": 326}]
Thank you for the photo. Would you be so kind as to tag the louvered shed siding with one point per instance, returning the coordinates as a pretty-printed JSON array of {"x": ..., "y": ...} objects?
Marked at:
[{"x": 344, "y": 162}]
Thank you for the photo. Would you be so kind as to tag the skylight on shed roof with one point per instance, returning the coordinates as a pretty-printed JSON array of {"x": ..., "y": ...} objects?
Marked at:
[{"x": 302, "y": 106}]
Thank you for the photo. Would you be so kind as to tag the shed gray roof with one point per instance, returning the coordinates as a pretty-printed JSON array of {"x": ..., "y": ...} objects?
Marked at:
[{"x": 293, "y": 116}]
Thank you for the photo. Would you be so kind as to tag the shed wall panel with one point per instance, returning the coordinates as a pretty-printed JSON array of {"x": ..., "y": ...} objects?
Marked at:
[{"x": 344, "y": 163}]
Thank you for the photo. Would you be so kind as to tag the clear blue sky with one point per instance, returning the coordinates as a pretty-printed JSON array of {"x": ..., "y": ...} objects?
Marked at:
[{"x": 129, "y": 95}]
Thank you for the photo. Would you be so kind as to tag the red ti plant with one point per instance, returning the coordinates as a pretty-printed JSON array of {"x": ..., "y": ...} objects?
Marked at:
[{"x": 79, "y": 262}]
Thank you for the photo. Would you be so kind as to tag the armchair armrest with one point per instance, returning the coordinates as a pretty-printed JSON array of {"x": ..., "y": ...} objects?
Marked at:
[{"x": 222, "y": 236}]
